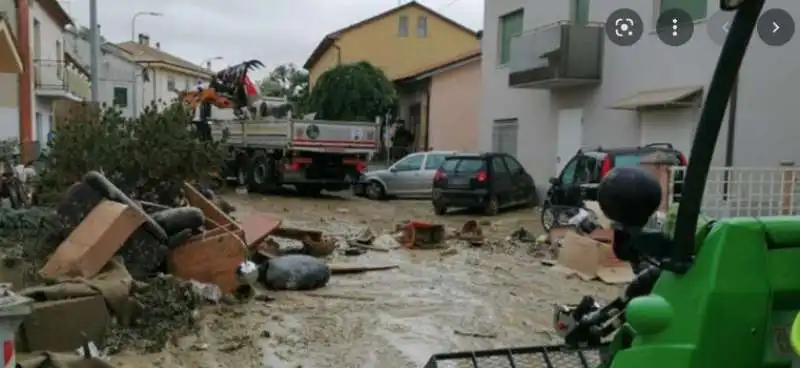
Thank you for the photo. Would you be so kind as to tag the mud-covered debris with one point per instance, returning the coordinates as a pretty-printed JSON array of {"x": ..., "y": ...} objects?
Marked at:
[
  {"x": 166, "y": 307},
  {"x": 522, "y": 235},
  {"x": 364, "y": 236},
  {"x": 472, "y": 233},
  {"x": 296, "y": 272},
  {"x": 386, "y": 241}
]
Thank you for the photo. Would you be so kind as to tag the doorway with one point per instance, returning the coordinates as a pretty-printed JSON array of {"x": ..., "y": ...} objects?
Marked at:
[{"x": 570, "y": 135}]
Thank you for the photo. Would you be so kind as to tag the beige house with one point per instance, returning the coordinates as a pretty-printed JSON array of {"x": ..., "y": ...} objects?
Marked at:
[
  {"x": 448, "y": 95},
  {"x": 165, "y": 75}
]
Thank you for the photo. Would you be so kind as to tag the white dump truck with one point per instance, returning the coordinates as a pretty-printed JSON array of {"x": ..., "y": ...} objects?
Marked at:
[{"x": 312, "y": 155}]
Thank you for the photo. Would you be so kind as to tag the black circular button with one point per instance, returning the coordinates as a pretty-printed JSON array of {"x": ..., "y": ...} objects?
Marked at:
[
  {"x": 624, "y": 27},
  {"x": 775, "y": 27},
  {"x": 675, "y": 27}
]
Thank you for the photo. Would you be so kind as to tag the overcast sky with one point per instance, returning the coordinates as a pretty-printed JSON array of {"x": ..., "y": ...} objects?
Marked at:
[{"x": 273, "y": 31}]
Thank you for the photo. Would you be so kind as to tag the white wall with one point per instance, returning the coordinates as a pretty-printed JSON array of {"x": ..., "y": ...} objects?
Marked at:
[{"x": 50, "y": 58}]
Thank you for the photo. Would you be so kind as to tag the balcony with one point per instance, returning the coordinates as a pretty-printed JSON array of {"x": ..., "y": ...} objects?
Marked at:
[
  {"x": 559, "y": 55},
  {"x": 59, "y": 80}
]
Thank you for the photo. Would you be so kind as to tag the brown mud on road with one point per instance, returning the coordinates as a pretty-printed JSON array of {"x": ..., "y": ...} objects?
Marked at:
[{"x": 470, "y": 298}]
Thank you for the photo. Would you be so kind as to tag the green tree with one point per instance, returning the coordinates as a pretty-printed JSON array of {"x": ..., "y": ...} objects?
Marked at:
[
  {"x": 288, "y": 81},
  {"x": 148, "y": 158},
  {"x": 85, "y": 34},
  {"x": 358, "y": 91}
]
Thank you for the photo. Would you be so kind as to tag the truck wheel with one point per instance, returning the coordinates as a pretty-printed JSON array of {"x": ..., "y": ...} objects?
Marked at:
[
  {"x": 310, "y": 190},
  {"x": 261, "y": 176}
]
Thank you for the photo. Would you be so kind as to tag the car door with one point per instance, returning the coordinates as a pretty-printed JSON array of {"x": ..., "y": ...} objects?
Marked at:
[
  {"x": 501, "y": 182},
  {"x": 569, "y": 192},
  {"x": 521, "y": 181},
  {"x": 432, "y": 163},
  {"x": 404, "y": 172}
]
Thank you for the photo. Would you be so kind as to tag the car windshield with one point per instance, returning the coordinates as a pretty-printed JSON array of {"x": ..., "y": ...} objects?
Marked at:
[
  {"x": 635, "y": 158},
  {"x": 463, "y": 165}
]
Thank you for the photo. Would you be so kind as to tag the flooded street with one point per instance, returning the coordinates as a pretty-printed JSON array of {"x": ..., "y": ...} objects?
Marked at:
[{"x": 497, "y": 295}]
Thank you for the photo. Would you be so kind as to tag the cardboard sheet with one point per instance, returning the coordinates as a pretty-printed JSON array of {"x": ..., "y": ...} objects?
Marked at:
[{"x": 591, "y": 259}]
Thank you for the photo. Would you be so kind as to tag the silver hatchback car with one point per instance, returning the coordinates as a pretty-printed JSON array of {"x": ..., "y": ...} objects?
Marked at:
[{"x": 411, "y": 176}]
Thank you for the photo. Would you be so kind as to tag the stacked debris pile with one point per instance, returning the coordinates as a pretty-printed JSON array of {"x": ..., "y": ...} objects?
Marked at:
[{"x": 166, "y": 306}]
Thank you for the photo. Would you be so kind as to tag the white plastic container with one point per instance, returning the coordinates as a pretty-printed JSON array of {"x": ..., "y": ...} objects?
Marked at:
[{"x": 13, "y": 310}]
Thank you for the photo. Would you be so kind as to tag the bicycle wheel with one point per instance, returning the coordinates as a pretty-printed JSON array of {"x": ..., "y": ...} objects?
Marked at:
[{"x": 554, "y": 216}]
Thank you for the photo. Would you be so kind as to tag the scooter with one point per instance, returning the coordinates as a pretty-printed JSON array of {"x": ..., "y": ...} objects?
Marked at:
[{"x": 725, "y": 295}]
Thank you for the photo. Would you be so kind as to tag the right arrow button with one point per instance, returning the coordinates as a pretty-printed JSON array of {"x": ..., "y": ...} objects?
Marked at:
[{"x": 775, "y": 27}]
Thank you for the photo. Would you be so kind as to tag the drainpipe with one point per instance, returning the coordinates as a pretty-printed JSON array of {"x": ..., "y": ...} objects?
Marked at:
[
  {"x": 25, "y": 81},
  {"x": 428, "y": 114}
]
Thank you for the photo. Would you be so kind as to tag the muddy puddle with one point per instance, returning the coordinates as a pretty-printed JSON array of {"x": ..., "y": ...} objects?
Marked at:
[{"x": 469, "y": 298}]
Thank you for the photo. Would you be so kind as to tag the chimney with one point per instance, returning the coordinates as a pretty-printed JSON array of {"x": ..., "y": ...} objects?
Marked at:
[
  {"x": 158, "y": 45},
  {"x": 144, "y": 39}
]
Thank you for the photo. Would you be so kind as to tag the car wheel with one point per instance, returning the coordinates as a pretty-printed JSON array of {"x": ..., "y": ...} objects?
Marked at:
[
  {"x": 492, "y": 207},
  {"x": 376, "y": 191}
]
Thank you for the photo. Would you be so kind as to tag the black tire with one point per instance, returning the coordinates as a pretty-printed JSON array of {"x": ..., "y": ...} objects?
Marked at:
[
  {"x": 308, "y": 190},
  {"x": 492, "y": 206},
  {"x": 376, "y": 191},
  {"x": 261, "y": 174},
  {"x": 175, "y": 220}
]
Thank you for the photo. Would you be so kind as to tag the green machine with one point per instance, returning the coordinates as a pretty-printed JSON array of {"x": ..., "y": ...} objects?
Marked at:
[{"x": 725, "y": 294}]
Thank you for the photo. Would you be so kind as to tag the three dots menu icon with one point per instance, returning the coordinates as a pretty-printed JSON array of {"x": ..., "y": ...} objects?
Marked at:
[{"x": 675, "y": 27}]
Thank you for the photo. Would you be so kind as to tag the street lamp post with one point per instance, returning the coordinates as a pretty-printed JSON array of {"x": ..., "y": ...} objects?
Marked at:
[
  {"x": 207, "y": 62},
  {"x": 134, "y": 77}
]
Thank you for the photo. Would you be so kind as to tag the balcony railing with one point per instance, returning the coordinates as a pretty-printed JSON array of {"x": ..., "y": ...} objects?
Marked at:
[
  {"x": 56, "y": 78},
  {"x": 561, "y": 54}
]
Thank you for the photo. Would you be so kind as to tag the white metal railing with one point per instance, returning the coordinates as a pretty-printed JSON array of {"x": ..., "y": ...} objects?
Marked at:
[{"x": 745, "y": 191}]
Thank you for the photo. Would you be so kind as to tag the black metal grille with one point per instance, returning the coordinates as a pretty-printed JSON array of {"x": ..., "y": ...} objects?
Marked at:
[{"x": 524, "y": 357}]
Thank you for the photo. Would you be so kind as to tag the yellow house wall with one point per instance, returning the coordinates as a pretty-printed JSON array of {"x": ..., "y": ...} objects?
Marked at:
[{"x": 378, "y": 43}]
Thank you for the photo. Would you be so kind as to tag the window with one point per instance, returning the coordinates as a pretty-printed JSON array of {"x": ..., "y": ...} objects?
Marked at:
[
  {"x": 186, "y": 84},
  {"x": 698, "y": 9},
  {"x": 465, "y": 165},
  {"x": 402, "y": 26},
  {"x": 171, "y": 84},
  {"x": 121, "y": 97},
  {"x": 410, "y": 163},
  {"x": 434, "y": 161},
  {"x": 512, "y": 164},
  {"x": 568, "y": 173},
  {"x": 504, "y": 136},
  {"x": 510, "y": 26},
  {"x": 422, "y": 26},
  {"x": 498, "y": 166}
]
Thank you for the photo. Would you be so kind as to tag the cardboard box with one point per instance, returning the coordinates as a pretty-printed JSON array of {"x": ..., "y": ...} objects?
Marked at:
[
  {"x": 590, "y": 259},
  {"x": 92, "y": 244},
  {"x": 59, "y": 325}
]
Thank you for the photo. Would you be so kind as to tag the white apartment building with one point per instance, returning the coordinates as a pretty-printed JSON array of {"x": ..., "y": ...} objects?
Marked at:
[
  {"x": 553, "y": 82},
  {"x": 163, "y": 75}
]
